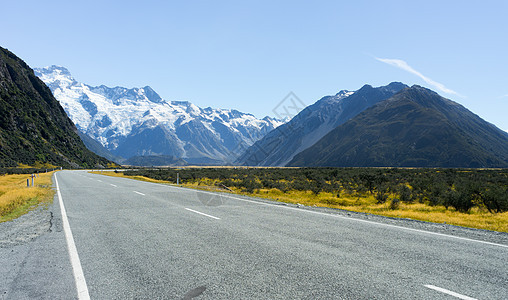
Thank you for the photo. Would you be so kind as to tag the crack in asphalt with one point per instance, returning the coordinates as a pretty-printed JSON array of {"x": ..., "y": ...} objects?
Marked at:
[{"x": 50, "y": 229}]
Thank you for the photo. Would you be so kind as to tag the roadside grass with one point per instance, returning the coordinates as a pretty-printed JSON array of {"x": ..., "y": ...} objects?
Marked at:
[
  {"x": 17, "y": 199},
  {"x": 416, "y": 211},
  {"x": 366, "y": 203}
]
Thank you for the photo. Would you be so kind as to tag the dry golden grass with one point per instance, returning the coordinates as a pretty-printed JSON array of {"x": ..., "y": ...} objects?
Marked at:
[
  {"x": 17, "y": 199},
  {"x": 24, "y": 166},
  {"x": 37, "y": 165},
  {"x": 476, "y": 218}
]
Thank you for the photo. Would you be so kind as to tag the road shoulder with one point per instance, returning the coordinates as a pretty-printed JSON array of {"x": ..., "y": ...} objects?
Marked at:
[{"x": 34, "y": 259}]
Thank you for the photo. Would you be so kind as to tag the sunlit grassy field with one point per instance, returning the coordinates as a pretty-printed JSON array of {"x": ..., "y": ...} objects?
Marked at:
[
  {"x": 417, "y": 211},
  {"x": 475, "y": 218},
  {"x": 17, "y": 199}
]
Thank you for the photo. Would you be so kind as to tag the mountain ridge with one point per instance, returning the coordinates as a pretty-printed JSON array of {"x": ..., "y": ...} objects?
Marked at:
[
  {"x": 414, "y": 128},
  {"x": 137, "y": 121},
  {"x": 33, "y": 125},
  {"x": 278, "y": 147}
]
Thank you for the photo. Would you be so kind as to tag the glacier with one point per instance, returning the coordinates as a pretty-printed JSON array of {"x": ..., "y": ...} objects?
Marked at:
[{"x": 137, "y": 121}]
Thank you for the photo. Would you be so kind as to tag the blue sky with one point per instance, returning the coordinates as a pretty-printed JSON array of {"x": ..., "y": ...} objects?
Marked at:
[{"x": 249, "y": 55}]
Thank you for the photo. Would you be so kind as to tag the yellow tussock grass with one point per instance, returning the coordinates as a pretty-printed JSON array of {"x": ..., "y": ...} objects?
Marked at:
[{"x": 17, "y": 199}]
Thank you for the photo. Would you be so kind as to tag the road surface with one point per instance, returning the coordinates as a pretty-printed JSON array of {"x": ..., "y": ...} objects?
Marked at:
[{"x": 140, "y": 240}]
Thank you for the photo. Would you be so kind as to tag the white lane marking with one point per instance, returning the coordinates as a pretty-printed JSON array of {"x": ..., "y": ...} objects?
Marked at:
[
  {"x": 354, "y": 219},
  {"x": 198, "y": 212},
  {"x": 79, "y": 277},
  {"x": 340, "y": 217},
  {"x": 451, "y": 293},
  {"x": 139, "y": 193},
  {"x": 99, "y": 180},
  {"x": 112, "y": 185}
]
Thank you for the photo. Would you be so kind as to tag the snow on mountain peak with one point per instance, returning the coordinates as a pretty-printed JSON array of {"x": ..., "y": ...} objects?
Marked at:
[
  {"x": 344, "y": 94},
  {"x": 138, "y": 121},
  {"x": 55, "y": 76}
]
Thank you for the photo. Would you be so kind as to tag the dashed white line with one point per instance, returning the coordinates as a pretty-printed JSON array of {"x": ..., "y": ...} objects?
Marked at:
[
  {"x": 112, "y": 185},
  {"x": 198, "y": 212},
  {"x": 139, "y": 193},
  {"x": 99, "y": 180},
  {"x": 448, "y": 292},
  {"x": 77, "y": 271}
]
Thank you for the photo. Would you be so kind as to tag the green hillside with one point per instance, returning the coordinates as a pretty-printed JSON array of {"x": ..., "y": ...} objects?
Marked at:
[
  {"x": 33, "y": 125},
  {"x": 414, "y": 128}
]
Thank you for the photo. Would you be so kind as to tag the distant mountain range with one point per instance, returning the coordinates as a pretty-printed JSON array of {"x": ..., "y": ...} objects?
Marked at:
[
  {"x": 387, "y": 126},
  {"x": 414, "y": 128},
  {"x": 138, "y": 122},
  {"x": 279, "y": 147},
  {"x": 33, "y": 126}
]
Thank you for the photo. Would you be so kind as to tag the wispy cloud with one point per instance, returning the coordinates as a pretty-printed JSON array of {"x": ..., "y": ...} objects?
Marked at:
[{"x": 404, "y": 66}]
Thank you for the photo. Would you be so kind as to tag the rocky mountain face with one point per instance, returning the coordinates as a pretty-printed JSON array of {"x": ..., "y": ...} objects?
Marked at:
[
  {"x": 279, "y": 147},
  {"x": 33, "y": 125},
  {"x": 138, "y": 122},
  {"x": 414, "y": 128},
  {"x": 155, "y": 161}
]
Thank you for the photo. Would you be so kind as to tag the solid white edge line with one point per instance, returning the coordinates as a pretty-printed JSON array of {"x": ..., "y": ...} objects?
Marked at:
[
  {"x": 139, "y": 193},
  {"x": 198, "y": 212},
  {"x": 451, "y": 293},
  {"x": 355, "y": 219},
  {"x": 77, "y": 271}
]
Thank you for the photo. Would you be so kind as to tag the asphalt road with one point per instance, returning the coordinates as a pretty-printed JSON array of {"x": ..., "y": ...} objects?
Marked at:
[{"x": 139, "y": 240}]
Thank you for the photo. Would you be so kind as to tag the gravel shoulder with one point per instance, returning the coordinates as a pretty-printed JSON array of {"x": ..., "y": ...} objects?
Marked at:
[
  {"x": 33, "y": 255},
  {"x": 27, "y": 227}
]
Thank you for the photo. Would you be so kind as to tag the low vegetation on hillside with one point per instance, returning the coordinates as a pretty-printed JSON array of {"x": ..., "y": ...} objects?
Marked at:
[
  {"x": 467, "y": 197},
  {"x": 414, "y": 128},
  {"x": 33, "y": 125}
]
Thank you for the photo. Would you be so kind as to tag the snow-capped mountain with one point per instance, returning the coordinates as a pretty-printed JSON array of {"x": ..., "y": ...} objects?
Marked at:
[{"x": 137, "y": 121}]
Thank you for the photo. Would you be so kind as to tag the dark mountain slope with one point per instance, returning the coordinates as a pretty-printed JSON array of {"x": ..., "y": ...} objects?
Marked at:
[
  {"x": 280, "y": 145},
  {"x": 98, "y": 149},
  {"x": 155, "y": 160},
  {"x": 414, "y": 128},
  {"x": 33, "y": 125}
]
